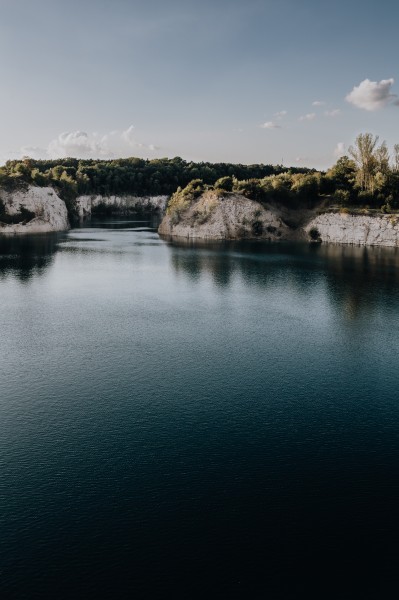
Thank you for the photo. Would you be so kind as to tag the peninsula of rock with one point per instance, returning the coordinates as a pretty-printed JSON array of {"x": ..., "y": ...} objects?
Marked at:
[{"x": 215, "y": 216}]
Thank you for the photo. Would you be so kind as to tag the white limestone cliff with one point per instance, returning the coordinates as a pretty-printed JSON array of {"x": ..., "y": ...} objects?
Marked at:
[
  {"x": 233, "y": 216},
  {"x": 127, "y": 203},
  {"x": 220, "y": 218},
  {"x": 49, "y": 210},
  {"x": 342, "y": 228}
]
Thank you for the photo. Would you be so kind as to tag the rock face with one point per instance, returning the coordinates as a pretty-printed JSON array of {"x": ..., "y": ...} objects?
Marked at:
[
  {"x": 378, "y": 230},
  {"x": 123, "y": 204},
  {"x": 50, "y": 213},
  {"x": 235, "y": 217},
  {"x": 225, "y": 217}
]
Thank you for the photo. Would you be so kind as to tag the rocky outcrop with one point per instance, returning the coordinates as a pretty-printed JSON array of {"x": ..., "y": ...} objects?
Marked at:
[
  {"x": 122, "y": 204},
  {"x": 233, "y": 216},
  {"x": 224, "y": 218},
  {"x": 39, "y": 210},
  {"x": 341, "y": 228}
]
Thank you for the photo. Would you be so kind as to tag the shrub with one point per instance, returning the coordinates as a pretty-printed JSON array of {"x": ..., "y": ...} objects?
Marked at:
[
  {"x": 314, "y": 234},
  {"x": 24, "y": 215},
  {"x": 341, "y": 196},
  {"x": 257, "y": 228},
  {"x": 224, "y": 183},
  {"x": 182, "y": 199}
]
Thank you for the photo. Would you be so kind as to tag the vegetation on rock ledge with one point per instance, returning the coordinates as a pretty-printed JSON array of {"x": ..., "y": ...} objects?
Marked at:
[{"x": 368, "y": 177}]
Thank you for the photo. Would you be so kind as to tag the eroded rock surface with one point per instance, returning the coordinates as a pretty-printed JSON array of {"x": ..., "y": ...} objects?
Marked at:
[{"x": 48, "y": 211}]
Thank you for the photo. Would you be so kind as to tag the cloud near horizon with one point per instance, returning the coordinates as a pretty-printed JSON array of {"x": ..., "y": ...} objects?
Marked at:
[
  {"x": 372, "y": 95},
  {"x": 79, "y": 144}
]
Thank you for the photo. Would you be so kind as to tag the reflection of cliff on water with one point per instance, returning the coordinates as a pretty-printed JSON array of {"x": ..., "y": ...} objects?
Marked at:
[
  {"x": 355, "y": 278},
  {"x": 27, "y": 256}
]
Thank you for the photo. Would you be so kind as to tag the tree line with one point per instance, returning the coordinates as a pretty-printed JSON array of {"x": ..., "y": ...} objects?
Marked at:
[
  {"x": 126, "y": 176},
  {"x": 367, "y": 177}
]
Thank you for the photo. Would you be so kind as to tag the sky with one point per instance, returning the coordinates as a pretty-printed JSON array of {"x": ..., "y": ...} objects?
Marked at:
[{"x": 254, "y": 81}]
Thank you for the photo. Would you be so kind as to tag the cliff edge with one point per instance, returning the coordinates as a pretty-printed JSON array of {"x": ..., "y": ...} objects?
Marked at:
[
  {"x": 217, "y": 217},
  {"x": 214, "y": 216},
  {"x": 32, "y": 210}
]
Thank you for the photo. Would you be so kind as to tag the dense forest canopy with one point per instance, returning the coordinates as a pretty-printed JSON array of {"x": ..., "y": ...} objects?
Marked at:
[
  {"x": 368, "y": 177},
  {"x": 129, "y": 175}
]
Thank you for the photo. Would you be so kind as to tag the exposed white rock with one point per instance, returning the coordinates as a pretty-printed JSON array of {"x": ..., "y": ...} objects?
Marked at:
[
  {"x": 234, "y": 217},
  {"x": 50, "y": 210},
  {"x": 341, "y": 228},
  {"x": 85, "y": 204},
  {"x": 223, "y": 218}
]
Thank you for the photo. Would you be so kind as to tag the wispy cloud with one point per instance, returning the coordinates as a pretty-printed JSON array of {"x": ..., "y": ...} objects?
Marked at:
[
  {"x": 280, "y": 114},
  {"x": 318, "y": 103},
  {"x": 372, "y": 95},
  {"x": 308, "y": 117},
  {"x": 335, "y": 112},
  {"x": 80, "y": 144},
  {"x": 270, "y": 125},
  {"x": 31, "y": 151},
  {"x": 339, "y": 150}
]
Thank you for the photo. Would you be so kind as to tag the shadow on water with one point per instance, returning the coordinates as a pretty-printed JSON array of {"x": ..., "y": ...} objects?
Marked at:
[
  {"x": 26, "y": 257},
  {"x": 146, "y": 220},
  {"x": 357, "y": 278}
]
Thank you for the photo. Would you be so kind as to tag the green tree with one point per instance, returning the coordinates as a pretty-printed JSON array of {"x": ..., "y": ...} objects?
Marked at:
[{"x": 363, "y": 153}]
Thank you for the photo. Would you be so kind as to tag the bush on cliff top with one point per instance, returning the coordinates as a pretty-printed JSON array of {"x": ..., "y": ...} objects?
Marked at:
[{"x": 182, "y": 199}]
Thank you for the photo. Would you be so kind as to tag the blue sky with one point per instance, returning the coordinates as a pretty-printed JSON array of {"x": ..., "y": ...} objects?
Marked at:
[{"x": 219, "y": 81}]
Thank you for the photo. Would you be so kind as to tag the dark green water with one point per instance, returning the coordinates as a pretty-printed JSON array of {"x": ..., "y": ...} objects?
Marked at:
[{"x": 214, "y": 420}]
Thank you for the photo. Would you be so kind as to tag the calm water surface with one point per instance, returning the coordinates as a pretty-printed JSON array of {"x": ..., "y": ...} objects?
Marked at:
[{"x": 217, "y": 420}]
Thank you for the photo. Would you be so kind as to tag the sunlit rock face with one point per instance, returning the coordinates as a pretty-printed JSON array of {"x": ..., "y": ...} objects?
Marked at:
[
  {"x": 341, "y": 228},
  {"x": 212, "y": 216},
  {"x": 46, "y": 211},
  {"x": 225, "y": 217}
]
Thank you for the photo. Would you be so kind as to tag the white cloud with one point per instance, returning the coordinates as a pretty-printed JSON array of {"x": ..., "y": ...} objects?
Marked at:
[
  {"x": 308, "y": 117},
  {"x": 339, "y": 150},
  {"x": 372, "y": 95},
  {"x": 332, "y": 113},
  {"x": 280, "y": 114},
  {"x": 128, "y": 136},
  {"x": 270, "y": 125},
  {"x": 318, "y": 103},
  {"x": 79, "y": 144},
  {"x": 301, "y": 159}
]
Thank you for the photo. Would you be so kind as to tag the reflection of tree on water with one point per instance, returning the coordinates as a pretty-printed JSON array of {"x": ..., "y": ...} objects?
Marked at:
[
  {"x": 355, "y": 278},
  {"x": 27, "y": 256},
  {"x": 359, "y": 278}
]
